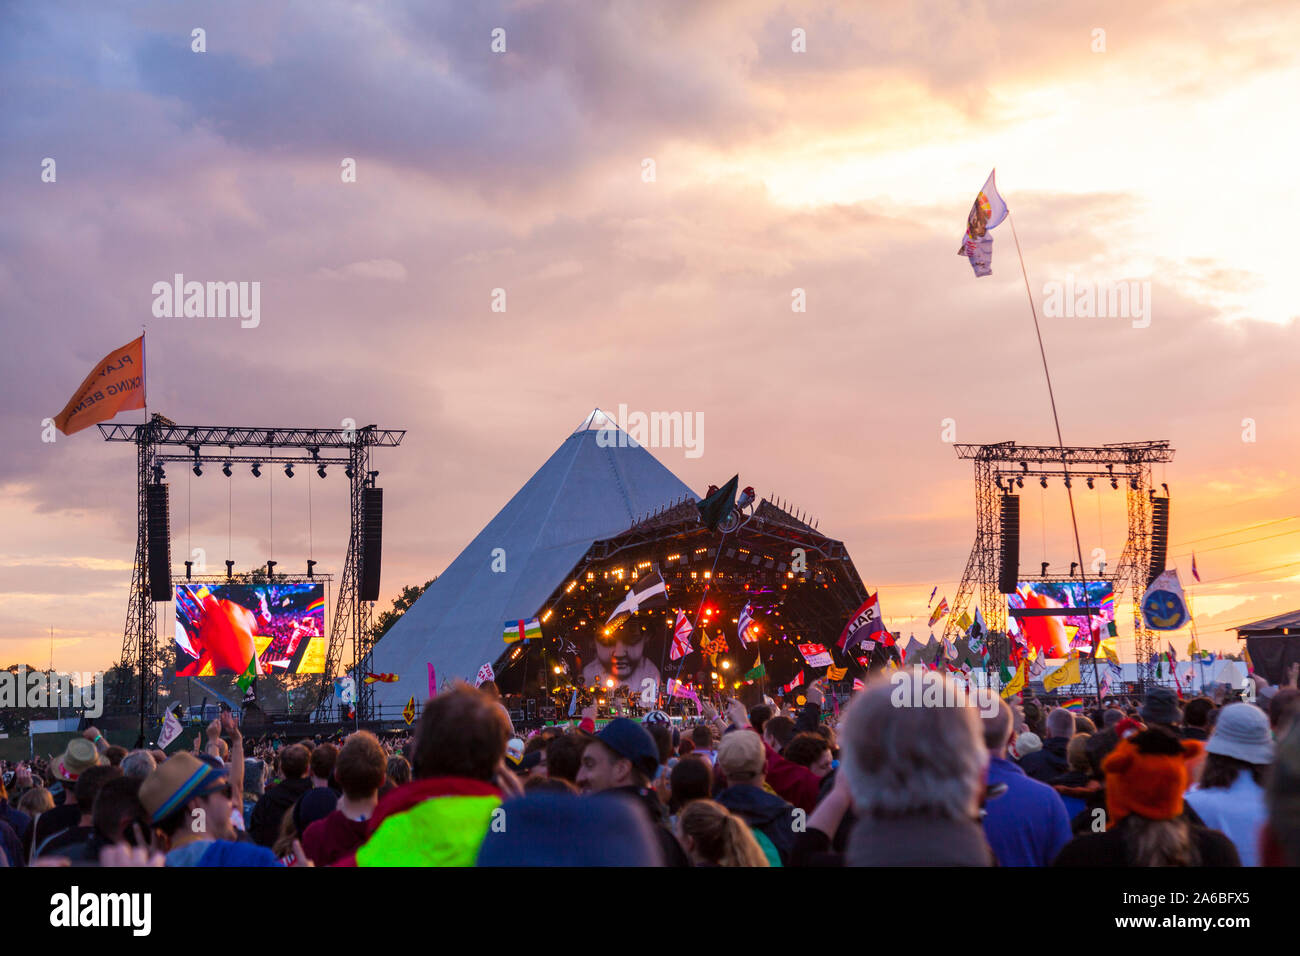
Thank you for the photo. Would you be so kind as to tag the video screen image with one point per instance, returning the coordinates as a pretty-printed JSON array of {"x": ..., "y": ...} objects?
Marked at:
[
  {"x": 220, "y": 627},
  {"x": 1043, "y": 611}
]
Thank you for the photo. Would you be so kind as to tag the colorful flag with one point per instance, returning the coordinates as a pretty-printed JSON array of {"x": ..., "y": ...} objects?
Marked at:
[
  {"x": 345, "y": 689},
  {"x": 976, "y": 633},
  {"x": 573, "y": 703},
  {"x": 836, "y": 673},
  {"x": 743, "y": 625},
  {"x": 1109, "y": 649},
  {"x": 522, "y": 630},
  {"x": 1193, "y": 649},
  {"x": 1163, "y": 606},
  {"x": 940, "y": 611},
  {"x": 433, "y": 682},
  {"x": 485, "y": 674},
  {"x": 932, "y": 594},
  {"x": 1173, "y": 654},
  {"x": 858, "y": 685},
  {"x": 1196, "y": 574},
  {"x": 757, "y": 671},
  {"x": 797, "y": 682},
  {"x": 1016, "y": 684},
  {"x": 864, "y": 624},
  {"x": 250, "y": 673},
  {"x": 408, "y": 712},
  {"x": 115, "y": 385},
  {"x": 816, "y": 655},
  {"x": 949, "y": 649},
  {"x": 1073, "y": 704},
  {"x": 681, "y": 637},
  {"x": 649, "y": 591},
  {"x": 171, "y": 729},
  {"x": 963, "y": 622},
  {"x": 986, "y": 212},
  {"x": 381, "y": 678},
  {"x": 718, "y": 506},
  {"x": 1067, "y": 673}
]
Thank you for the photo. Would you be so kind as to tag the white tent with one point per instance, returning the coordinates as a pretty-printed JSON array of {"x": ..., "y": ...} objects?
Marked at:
[{"x": 597, "y": 483}]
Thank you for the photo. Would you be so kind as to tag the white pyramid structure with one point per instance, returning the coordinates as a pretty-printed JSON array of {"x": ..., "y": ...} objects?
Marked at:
[{"x": 597, "y": 484}]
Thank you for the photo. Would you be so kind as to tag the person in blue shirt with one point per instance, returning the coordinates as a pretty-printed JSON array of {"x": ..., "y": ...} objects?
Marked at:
[{"x": 1027, "y": 824}]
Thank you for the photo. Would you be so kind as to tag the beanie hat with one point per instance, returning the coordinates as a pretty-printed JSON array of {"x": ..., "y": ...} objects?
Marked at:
[
  {"x": 1146, "y": 774},
  {"x": 1161, "y": 707}
]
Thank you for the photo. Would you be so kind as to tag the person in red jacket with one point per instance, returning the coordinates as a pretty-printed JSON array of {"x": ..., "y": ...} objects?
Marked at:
[{"x": 360, "y": 770}]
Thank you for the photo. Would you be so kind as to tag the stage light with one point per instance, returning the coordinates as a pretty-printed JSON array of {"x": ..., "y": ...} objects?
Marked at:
[
  {"x": 1133, "y": 483},
  {"x": 726, "y": 665},
  {"x": 320, "y": 470},
  {"x": 1020, "y": 482},
  {"x": 348, "y": 471},
  {"x": 225, "y": 469},
  {"x": 257, "y": 469},
  {"x": 1044, "y": 569},
  {"x": 230, "y": 569},
  {"x": 1114, "y": 483},
  {"x": 198, "y": 470},
  {"x": 556, "y": 668},
  {"x": 1074, "y": 566},
  {"x": 1090, "y": 484},
  {"x": 158, "y": 474},
  {"x": 1024, "y": 466},
  {"x": 270, "y": 568},
  {"x": 1043, "y": 481},
  {"x": 610, "y": 683},
  {"x": 1166, "y": 488},
  {"x": 288, "y": 469},
  {"x": 311, "y": 565}
]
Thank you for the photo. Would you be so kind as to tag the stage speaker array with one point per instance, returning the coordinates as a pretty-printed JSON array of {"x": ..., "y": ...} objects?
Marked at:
[
  {"x": 158, "y": 542},
  {"x": 1159, "y": 536},
  {"x": 372, "y": 530},
  {"x": 1009, "y": 559}
]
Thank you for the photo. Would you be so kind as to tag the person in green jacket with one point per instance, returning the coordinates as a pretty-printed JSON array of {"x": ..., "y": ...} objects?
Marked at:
[{"x": 441, "y": 817}]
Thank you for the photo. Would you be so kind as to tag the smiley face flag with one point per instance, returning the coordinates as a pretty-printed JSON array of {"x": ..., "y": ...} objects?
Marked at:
[{"x": 1164, "y": 608}]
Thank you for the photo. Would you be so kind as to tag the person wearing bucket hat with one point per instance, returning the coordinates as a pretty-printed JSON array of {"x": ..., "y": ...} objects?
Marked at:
[
  {"x": 1146, "y": 776},
  {"x": 188, "y": 801},
  {"x": 79, "y": 756},
  {"x": 622, "y": 759},
  {"x": 1230, "y": 795}
]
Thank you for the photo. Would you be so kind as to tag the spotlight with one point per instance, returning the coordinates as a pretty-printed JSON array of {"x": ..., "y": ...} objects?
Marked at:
[
  {"x": 320, "y": 470},
  {"x": 225, "y": 469},
  {"x": 1020, "y": 482},
  {"x": 348, "y": 471},
  {"x": 158, "y": 474},
  {"x": 288, "y": 470},
  {"x": 1166, "y": 488},
  {"x": 1133, "y": 483},
  {"x": 198, "y": 470},
  {"x": 270, "y": 568},
  {"x": 997, "y": 480},
  {"x": 1074, "y": 566},
  {"x": 1090, "y": 484},
  {"x": 1114, "y": 483},
  {"x": 230, "y": 569},
  {"x": 311, "y": 565},
  {"x": 1024, "y": 466},
  {"x": 1043, "y": 481},
  {"x": 1044, "y": 569},
  {"x": 257, "y": 469}
]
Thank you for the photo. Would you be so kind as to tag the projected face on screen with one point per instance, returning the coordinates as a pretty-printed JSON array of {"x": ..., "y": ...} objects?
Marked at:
[
  {"x": 620, "y": 656},
  {"x": 1051, "y": 614},
  {"x": 221, "y": 627}
]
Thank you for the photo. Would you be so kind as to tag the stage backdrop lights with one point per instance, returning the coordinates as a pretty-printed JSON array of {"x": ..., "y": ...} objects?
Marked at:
[
  {"x": 1052, "y": 613},
  {"x": 220, "y": 626}
]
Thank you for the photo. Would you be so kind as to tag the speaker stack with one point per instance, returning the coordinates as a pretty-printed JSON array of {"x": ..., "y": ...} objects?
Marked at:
[
  {"x": 1159, "y": 537},
  {"x": 372, "y": 530},
  {"x": 1009, "y": 559},
  {"x": 158, "y": 542}
]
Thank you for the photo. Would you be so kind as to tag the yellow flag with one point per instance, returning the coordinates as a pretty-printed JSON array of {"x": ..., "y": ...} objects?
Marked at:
[
  {"x": 1109, "y": 649},
  {"x": 836, "y": 673},
  {"x": 964, "y": 622},
  {"x": 408, "y": 712},
  {"x": 1068, "y": 673},
  {"x": 1017, "y": 683},
  {"x": 1193, "y": 649}
]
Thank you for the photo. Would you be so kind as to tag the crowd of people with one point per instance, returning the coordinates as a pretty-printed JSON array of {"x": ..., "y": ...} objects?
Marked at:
[{"x": 1156, "y": 781}]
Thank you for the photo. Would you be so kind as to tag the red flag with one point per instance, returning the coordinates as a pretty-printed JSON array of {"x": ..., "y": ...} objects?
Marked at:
[{"x": 681, "y": 637}]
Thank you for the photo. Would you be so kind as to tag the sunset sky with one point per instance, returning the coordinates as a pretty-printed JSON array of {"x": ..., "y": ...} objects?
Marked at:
[{"x": 846, "y": 171}]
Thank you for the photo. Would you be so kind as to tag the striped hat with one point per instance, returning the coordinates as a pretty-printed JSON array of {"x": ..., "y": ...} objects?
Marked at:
[{"x": 176, "y": 781}]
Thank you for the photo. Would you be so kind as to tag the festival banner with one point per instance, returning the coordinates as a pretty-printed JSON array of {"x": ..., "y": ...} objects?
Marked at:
[
  {"x": 522, "y": 630},
  {"x": 1164, "y": 608},
  {"x": 115, "y": 385},
  {"x": 986, "y": 212},
  {"x": 816, "y": 655},
  {"x": 744, "y": 624},
  {"x": 940, "y": 612},
  {"x": 1016, "y": 684},
  {"x": 648, "y": 592},
  {"x": 1066, "y": 674},
  {"x": 171, "y": 729},
  {"x": 864, "y": 624},
  {"x": 681, "y": 637},
  {"x": 485, "y": 674},
  {"x": 408, "y": 712},
  {"x": 433, "y": 681}
]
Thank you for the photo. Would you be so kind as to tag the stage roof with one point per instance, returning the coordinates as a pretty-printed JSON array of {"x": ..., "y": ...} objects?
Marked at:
[
  {"x": 1259, "y": 628},
  {"x": 586, "y": 491}
]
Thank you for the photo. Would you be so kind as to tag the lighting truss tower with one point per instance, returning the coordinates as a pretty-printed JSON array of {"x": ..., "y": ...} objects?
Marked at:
[
  {"x": 997, "y": 468},
  {"x": 161, "y": 440}
]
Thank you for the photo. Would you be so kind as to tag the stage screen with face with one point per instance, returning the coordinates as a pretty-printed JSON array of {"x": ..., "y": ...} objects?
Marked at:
[
  {"x": 1052, "y": 617},
  {"x": 628, "y": 657},
  {"x": 219, "y": 627}
]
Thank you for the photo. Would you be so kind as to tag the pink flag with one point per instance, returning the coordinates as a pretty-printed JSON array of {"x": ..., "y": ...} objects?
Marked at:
[{"x": 433, "y": 682}]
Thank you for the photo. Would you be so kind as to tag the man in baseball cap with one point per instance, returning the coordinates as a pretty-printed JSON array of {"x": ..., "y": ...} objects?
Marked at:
[{"x": 621, "y": 760}]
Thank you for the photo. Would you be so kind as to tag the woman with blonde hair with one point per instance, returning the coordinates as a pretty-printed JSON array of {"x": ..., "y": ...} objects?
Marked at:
[{"x": 713, "y": 836}]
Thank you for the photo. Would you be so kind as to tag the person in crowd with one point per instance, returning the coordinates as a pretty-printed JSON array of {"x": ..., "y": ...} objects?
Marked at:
[
  {"x": 916, "y": 775},
  {"x": 1027, "y": 742},
  {"x": 714, "y": 836},
  {"x": 622, "y": 759},
  {"x": 1146, "y": 777},
  {"x": 702, "y": 738},
  {"x": 1196, "y": 717},
  {"x": 564, "y": 757},
  {"x": 322, "y": 765},
  {"x": 1027, "y": 825},
  {"x": 759, "y": 715},
  {"x": 399, "y": 773},
  {"x": 1076, "y": 785},
  {"x": 35, "y": 802},
  {"x": 116, "y": 817},
  {"x": 691, "y": 779},
  {"x": 441, "y": 817},
  {"x": 1051, "y": 761},
  {"x": 1161, "y": 710},
  {"x": 65, "y": 842},
  {"x": 778, "y": 731},
  {"x": 115, "y": 755},
  {"x": 255, "y": 773},
  {"x": 1230, "y": 795},
  {"x": 188, "y": 802},
  {"x": 138, "y": 764},
  {"x": 360, "y": 769},
  {"x": 534, "y": 784},
  {"x": 493, "y": 693},
  {"x": 1282, "y": 710},
  {"x": 268, "y": 814},
  {"x": 1279, "y": 840},
  {"x": 741, "y": 759},
  {"x": 811, "y": 750},
  {"x": 20, "y": 822},
  {"x": 80, "y": 755}
]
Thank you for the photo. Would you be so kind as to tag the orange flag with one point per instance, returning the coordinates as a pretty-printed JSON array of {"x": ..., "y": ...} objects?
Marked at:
[{"x": 115, "y": 385}]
